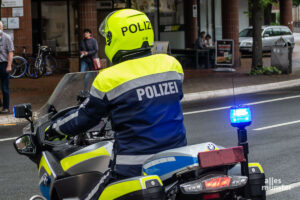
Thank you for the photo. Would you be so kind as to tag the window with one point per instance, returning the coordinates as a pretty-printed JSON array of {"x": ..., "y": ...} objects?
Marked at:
[
  {"x": 276, "y": 32},
  {"x": 171, "y": 19},
  {"x": 268, "y": 32},
  {"x": 171, "y": 12},
  {"x": 246, "y": 33},
  {"x": 285, "y": 31},
  {"x": 55, "y": 25},
  {"x": 148, "y": 7}
]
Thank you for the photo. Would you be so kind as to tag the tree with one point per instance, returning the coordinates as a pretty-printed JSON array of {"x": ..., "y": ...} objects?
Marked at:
[
  {"x": 256, "y": 7},
  {"x": 296, "y": 2}
]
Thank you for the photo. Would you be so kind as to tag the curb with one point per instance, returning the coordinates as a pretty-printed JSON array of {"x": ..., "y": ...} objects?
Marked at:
[
  {"x": 197, "y": 96},
  {"x": 9, "y": 119},
  {"x": 191, "y": 97}
]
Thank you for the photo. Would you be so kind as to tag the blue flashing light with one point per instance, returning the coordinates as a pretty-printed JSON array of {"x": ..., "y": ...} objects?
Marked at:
[
  {"x": 240, "y": 116},
  {"x": 14, "y": 113}
]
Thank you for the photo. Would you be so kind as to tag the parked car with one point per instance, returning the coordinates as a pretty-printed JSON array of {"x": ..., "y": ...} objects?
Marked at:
[{"x": 270, "y": 34}]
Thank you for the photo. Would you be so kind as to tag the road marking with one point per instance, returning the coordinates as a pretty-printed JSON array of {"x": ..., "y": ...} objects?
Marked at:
[
  {"x": 207, "y": 110},
  {"x": 7, "y": 139},
  {"x": 277, "y": 125},
  {"x": 249, "y": 104},
  {"x": 8, "y": 124},
  {"x": 283, "y": 189}
]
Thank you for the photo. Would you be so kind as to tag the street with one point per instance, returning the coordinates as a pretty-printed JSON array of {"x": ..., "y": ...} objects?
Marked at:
[{"x": 273, "y": 139}]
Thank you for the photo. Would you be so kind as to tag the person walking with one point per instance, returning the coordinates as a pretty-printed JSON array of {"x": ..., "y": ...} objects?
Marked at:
[
  {"x": 6, "y": 57},
  {"x": 88, "y": 52}
]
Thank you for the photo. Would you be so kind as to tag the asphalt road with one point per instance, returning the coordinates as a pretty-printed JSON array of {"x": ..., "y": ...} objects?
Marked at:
[{"x": 277, "y": 147}]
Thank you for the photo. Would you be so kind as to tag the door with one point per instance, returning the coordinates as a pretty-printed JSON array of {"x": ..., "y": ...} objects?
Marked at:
[{"x": 267, "y": 39}]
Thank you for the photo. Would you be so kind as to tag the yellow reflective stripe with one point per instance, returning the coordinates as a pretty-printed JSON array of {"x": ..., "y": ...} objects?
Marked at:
[
  {"x": 216, "y": 148},
  {"x": 69, "y": 162},
  {"x": 119, "y": 189},
  {"x": 117, "y": 75},
  {"x": 256, "y": 165},
  {"x": 44, "y": 164},
  {"x": 150, "y": 178}
]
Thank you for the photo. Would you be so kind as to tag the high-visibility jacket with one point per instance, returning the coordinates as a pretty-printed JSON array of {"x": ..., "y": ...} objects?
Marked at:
[{"x": 142, "y": 97}]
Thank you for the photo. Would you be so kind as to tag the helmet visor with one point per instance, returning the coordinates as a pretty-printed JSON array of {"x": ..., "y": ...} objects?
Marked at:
[{"x": 104, "y": 24}]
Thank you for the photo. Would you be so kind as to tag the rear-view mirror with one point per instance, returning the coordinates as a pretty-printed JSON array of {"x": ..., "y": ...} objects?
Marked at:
[{"x": 25, "y": 145}]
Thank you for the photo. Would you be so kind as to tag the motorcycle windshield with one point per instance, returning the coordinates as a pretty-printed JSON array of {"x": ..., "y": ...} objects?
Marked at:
[{"x": 67, "y": 91}]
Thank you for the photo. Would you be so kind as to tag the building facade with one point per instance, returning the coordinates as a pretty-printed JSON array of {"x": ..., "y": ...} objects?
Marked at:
[{"x": 59, "y": 23}]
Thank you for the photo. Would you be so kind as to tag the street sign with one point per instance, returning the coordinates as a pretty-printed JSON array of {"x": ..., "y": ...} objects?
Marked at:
[
  {"x": 12, "y": 3},
  {"x": 225, "y": 52}
]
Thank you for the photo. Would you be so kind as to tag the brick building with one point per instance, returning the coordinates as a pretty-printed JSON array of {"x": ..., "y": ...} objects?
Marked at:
[{"x": 59, "y": 23}]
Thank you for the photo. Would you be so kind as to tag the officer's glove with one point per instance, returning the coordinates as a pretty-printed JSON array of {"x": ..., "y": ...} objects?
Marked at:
[{"x": 52, "y": 135}]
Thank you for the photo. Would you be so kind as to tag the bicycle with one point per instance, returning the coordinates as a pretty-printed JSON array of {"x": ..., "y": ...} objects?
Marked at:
[
  {"x": 44, "y": 63},
  {"x": 19, "y": 65}
]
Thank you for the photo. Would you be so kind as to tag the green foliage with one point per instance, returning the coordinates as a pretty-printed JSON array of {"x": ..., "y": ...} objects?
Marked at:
[
  {"x": 265, "y": 71},
  {"x": 296, "y": 2},
  {"x": 265, "y": 3},
  {"x": 275, "y": 23}
]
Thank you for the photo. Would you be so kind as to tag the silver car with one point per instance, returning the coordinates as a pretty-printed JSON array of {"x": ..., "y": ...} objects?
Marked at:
[{"x": 270, "y": 34}]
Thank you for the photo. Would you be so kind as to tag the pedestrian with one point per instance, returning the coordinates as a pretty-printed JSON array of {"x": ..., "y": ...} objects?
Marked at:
[
  {"x": 88, "y": 52},
  {"x": 6, "y": 56},
  {"x": 207, "y": 40},
  {"x": 200, "y": 42}
]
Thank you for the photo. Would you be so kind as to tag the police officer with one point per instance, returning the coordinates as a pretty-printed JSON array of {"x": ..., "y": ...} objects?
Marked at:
[{"x": 141, "y": 93}]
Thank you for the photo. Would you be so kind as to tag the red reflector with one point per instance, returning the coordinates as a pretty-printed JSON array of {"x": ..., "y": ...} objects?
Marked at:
[
  {"x": 221, "y": 157},
  {"x": 211, "y": 196},
  {"x": 218, "y": 182}
]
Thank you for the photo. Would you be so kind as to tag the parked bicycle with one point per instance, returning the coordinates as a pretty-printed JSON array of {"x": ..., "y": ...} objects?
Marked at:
[
  {"x": 34, "y": 67},
  {"x": 44, "y": 63},
  {"x": 20, "y": 64}
]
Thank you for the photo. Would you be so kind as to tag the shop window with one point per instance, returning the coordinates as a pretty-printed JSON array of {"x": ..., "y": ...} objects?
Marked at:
[
  {"x": 55, "y": 25},
  {"x": 218, "y": 19},
  {"x": 171, "y": 13},
  {"x": 74, "y": 27},
  {"x": 148, "y": 7}
]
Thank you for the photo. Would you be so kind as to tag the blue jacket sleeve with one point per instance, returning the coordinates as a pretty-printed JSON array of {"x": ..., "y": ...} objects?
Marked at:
[
  {"x": 84, "y": 118},
  {"x": 93, "y": 52}
]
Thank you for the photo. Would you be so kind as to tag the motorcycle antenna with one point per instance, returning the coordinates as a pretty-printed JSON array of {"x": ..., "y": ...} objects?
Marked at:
[{"x": 233, "y": 91}]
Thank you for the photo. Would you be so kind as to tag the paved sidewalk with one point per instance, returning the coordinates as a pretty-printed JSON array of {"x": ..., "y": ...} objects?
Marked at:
[{"x": 198, "y": 84}]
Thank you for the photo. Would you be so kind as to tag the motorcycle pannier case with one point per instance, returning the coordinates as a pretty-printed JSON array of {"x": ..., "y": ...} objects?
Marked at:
[
  {"x": 137, "y": 188},
  {"x": 257, "y": 181}
]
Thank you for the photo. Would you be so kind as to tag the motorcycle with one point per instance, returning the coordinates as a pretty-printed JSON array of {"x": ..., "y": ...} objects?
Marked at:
[{"x": 72, "y": 167}]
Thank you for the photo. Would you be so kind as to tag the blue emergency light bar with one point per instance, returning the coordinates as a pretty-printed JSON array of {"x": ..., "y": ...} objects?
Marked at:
[{"x": 240, "y": 116}]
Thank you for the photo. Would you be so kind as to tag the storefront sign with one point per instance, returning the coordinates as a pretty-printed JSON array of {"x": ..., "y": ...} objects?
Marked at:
[
  {"x": 12, "y": 3},
  {"x": 18, "y": 12},
  {"x": 225, "y": 52},
  {"x": 4, "y": 22},
  {"x": 13, "y": 23}
]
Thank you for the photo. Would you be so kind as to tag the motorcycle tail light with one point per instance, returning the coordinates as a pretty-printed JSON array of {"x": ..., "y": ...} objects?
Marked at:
[
  {"x": 221, "y": 157},
  {"x": 217, "y": 182},
  {"x": 213, "y": 183}
]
